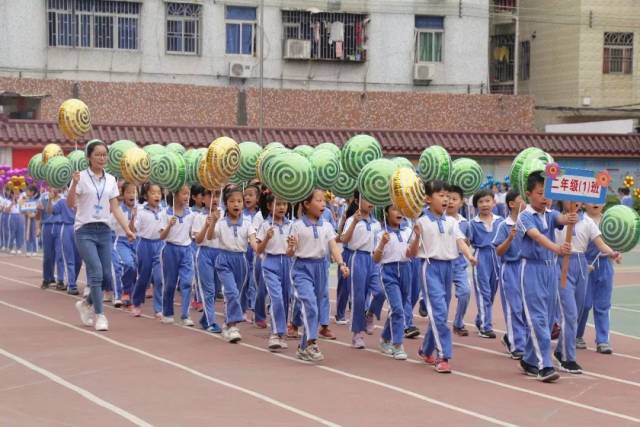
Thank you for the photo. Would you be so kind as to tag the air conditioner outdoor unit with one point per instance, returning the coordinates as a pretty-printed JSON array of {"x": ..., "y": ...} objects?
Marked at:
[
  {"x": 297, "y": 49},
  {"x": 239, "y": 70},
  {"x": 423, "y": 72}
]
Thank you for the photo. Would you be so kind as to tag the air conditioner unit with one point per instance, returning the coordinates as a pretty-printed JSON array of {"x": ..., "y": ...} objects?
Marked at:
[
  {"x": 297, "y": 49},
  {"x": 423, "y": 72},
  {"x": 240, "y": 70}
]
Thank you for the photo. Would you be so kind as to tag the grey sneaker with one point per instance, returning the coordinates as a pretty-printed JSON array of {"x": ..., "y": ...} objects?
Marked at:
[
  {"x": 386, "y": 348},
  {"x": 604, "y": 348},
  {"x": 399, "y": 353},
  {"x": 86, "y": 314},
  {"x": 581, "y": 344}
]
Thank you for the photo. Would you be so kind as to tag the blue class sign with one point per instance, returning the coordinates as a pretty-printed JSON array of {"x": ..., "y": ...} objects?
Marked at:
[{"x": 575, "y": 185}]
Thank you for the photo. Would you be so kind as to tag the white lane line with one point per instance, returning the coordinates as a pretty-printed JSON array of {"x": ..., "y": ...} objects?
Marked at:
[
  {"x": 171, "y": 363},
  {"x": 79, "y": 390},
  {"x": 617, "y": 307},
  {"x": 336, "y": 371}
]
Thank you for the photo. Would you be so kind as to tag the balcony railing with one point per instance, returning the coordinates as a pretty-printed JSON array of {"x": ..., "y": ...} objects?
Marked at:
[{"x": 504, "y": 6}]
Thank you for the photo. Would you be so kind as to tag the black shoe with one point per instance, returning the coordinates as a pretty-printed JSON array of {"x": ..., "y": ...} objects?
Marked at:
[
  {"x": 73, "y": 291},
  {"x": 516, "y": 355},
  {"x": 219, "y": 296},
  {"x": 45, "y": 284},
  {"x": 463, "y": 332},
  {"x": 422, "y": 309},
  {"x": 571, "y": 367},
  {"x": 487, "y": 334},
  {"x": 528, "y": 370},
  {"x": 411, "y": 332},
  {"x": 506, "y": 343},
  {"x": 547, "y": 375},
  {"x": 61, "y": 286}
]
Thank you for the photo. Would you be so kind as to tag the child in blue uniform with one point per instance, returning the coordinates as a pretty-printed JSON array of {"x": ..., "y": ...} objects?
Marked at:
[
  {"x": 482, "y": 230},
  {"x": 311, "y": 240},
  {"x": 508, "y": 250},
  {"x": 538, "y": 277},
  {"x": 16, "y": 227},
  {"x": 235, "y": 234},
  {"x": 438, "y": 241},
  {"x": 460, "y": 275},
  {"x": 69, "y": 251},
  {"x": 599, "y": 289},
  {"x": 124, "y": 251},
  {"x": 176, "y": 257},
  {"x": 343, "y": 289},
  {"x": 208, "y": 249},
  {"x": 52, "y": 264},
  {"x": 395, "y": 276},
  {"x": 197, "y": 207},
  {"x": 251, "y": 199},
  {"x": 571, "y": 297},
  {"x": 29, "y": 210},
  {"x": 147, "y": 223},
  {"x": 359, "y": 235},
  {"x": 276, "y": 265}
]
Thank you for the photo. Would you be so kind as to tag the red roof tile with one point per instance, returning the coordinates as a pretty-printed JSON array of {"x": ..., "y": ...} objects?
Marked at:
[{"x": 35, "y": 133}]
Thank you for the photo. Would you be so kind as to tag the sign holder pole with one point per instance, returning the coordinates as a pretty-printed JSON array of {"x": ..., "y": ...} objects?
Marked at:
[{"x": 569, "y": 236}]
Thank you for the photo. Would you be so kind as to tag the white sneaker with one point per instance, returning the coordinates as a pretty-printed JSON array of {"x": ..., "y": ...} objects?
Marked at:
[
  {"x": 274, "y": 343},
  {"x": 283, "y": 343},
  {"x": 117, "y": 303},
  {"x": 167, "y": 320},
  {"x": 187, "y": 322},
  {"x": 341, "y": 321},
  {"x": 86, "y": 291},
  {"x": 28, "y": 254},
  {"x": 101, "y": 323},
  {"x": 231, "y": 334},
  {"x": 19, "y": 252},
  {"x": 85, "y": 313},
  {"x": 13, "y": 252}
]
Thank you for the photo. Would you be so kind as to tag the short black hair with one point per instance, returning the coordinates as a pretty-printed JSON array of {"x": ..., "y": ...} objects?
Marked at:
[
  {"x": 457, "y": 190},
  {"x": 624, "y": 190},
  {"x": 534, "y": 179},
  {"x": 512, "y": 195},
  {"x": 480, "y": 194},
  {"x": 435, "y": 186}
]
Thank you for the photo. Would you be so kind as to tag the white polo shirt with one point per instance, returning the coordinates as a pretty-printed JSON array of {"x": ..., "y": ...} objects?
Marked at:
[
  {"x": 278, "y": 243},
  {"x": 364, "y": 234},
  {"x": 313, "y": 239},
  {"x": 180, "y": 232},
  {"x": 200, "y": 222},
  {"x": 585, "y": 230},
  {"x": 234, "y": 237},
  {"x": 440, "y": 235},
  {"x": 92, "y": 198},
  {"x": 148, "y": 222},
  {"x": 396, "y": 249}
]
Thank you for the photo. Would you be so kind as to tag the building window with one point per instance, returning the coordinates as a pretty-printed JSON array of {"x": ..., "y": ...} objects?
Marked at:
[
  {"x": 183, "y": 28},
  {"x": 98, "y": 24},
  {"x": 240, "y": 27},
  {"x": 429, "y": 31},
  {"x": 618, "y": 53},
  {"x": 324, "y": 36},
  {"x": 525, "y": 59}
]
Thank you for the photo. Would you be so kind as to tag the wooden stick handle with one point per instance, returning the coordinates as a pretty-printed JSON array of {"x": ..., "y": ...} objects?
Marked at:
[{"x": 565, "y": 259}]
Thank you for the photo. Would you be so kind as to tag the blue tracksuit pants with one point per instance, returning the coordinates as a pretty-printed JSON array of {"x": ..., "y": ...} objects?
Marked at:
[
  {"x": 485, "y": 281},
  {"x": 233, "y": 273},
  {"x": 149, "y": 267},
  {"x": 277, "y": 281},
  {"x": 52, "y": 264},
  {"x": 414, "y": 295},
  {"x": 249, "y": 289},
  {"x": 342, "y": 293},
  {"x": 31, "y": 242},
  {"x": 598, "y": 297},
  {"x": 16, "y": 232},
  {"x": 512, "y": 305},
  {"x": 125, "y": 266},
  {"x": 462, "y": 291},
  {"x": 206, "y": 281},
  {"x": 396, "y": 282},
  {"x": 365, "y": 278},
  {"x": 70, "y": 256},
  {"x": 307, "y": 276},
  {"x": 538, "y": 287},
  {"x": 436, "y": 281},
  {"x": 571, "y": 300},
  {"x": 177, "y": 271}
]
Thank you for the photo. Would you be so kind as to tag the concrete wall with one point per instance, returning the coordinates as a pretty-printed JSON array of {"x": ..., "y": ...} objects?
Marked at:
[{"x": 24, "y": 50}]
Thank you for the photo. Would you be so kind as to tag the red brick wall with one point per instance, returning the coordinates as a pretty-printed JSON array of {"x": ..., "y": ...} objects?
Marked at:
[{"x": 157, "y": 104}]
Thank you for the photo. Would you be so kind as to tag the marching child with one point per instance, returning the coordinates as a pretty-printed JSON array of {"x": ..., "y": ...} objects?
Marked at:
[
  {"x": 482, "y": 230},
  {"x": 52, "y": 265},
  {"x": 16, "y": 223},
  {"x": 395, "y": 276},
  {"x": 176, "y": 258},
  {"x": 147, "y": 223},
  {"x": 208, "y": 248},
  {"x": 437, "y": 241},
  {"x": 571, "y": 297},
  {"x": 276, "y": 265},
  {"x": 69, "y": 251},
  {"x": 310, "y": 241},
  {"x": 508, "y": 250},
  {"x": 30, "y": 210},
  {"x": 251, "y": 200},
  {"x": 460, "y": 276},
  {"x": 235, "y": 234},
  {"x": 538, "y": 276},
  {"x": 359, "y": 235},
  {"x": 599, "y": 289},
  {"x": 124, "y": 251}
]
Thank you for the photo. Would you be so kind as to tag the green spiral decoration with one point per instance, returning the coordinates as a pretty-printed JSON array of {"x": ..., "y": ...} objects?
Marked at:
[
  {"x": 58, "y": 172},
  {"x": 374, "y": 179},
  {"x": 403, "y": 162},
  {"x": 467, "y": 174},
  {"x": 358, "y": 151},
  {"x": 192, "y": 160},
  {"x": 249, "y": 153},
  {"x": 168, "y": 170},
  {"x": 344, "y": 186},
  {"x": 154, "y": 149},
  {"x": 78, "y": 160},
  {"x": 176, "y": 148},
  {"x": 326, "y": 168},
  {"x": 434, "y": 163},
  {"x": 290, "y": 177},
  {"x": 620, "y": 227},
  {"x": 36, "y": 168},
  {"x": 116, "y": 153},
  {"x": 331, "y": 147},
  {"x": 305, "y": 150},
  {"x": 264, "y": 156}
]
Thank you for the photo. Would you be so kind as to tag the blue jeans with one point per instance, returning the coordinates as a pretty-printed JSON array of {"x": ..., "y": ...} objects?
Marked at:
[{"x": 94, "y": 245}]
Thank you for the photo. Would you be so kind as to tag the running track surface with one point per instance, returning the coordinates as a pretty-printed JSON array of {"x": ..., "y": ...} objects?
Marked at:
[{"x": 54, "y": 371}]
